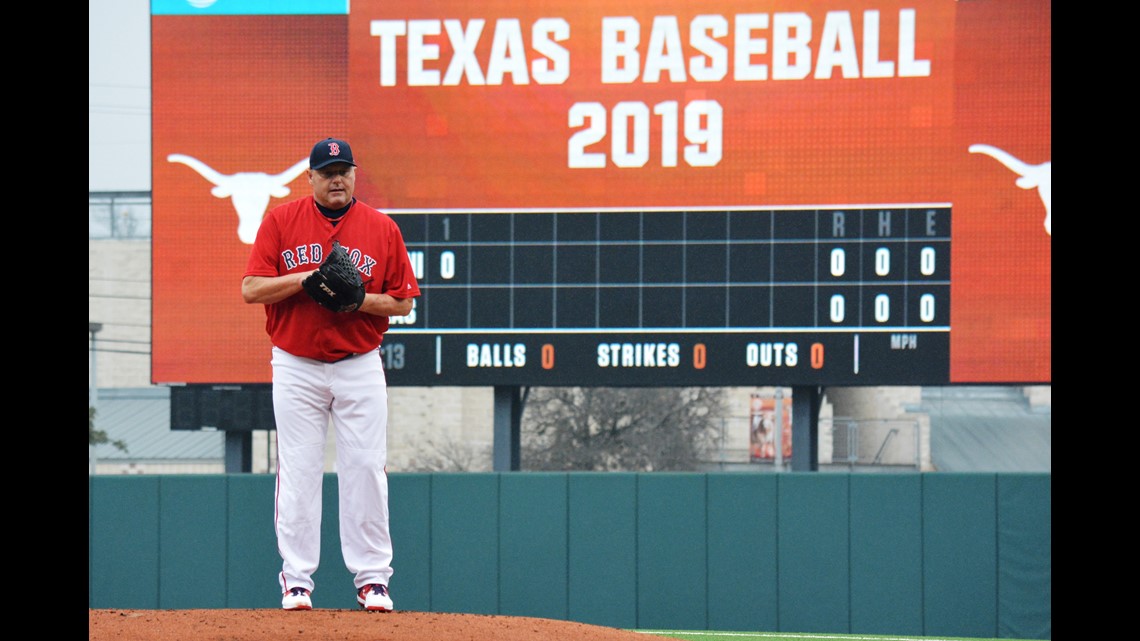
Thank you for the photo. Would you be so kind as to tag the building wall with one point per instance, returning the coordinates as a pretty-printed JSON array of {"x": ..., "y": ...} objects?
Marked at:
[{"x": 118, "y": 276}]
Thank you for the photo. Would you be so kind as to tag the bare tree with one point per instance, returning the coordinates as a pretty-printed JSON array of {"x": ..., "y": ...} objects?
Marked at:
[
  {"x": 451, "y": 456},
  {"x": 612, "y": 429}
]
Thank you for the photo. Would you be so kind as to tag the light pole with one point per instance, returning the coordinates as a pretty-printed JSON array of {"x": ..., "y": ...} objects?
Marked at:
[{"x": 94, "y": 397}]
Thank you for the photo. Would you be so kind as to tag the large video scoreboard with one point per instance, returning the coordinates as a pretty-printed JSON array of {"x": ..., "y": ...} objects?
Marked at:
[{"x": 659, "y": 193}]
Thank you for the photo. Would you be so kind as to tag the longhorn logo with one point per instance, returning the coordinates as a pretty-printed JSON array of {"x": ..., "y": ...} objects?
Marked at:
[
  {"x": 249, "y": 191},
  {"x": 1029, "y": 176}
]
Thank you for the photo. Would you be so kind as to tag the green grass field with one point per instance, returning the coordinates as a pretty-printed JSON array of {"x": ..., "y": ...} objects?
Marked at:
[{"x": 789, "y": 636}]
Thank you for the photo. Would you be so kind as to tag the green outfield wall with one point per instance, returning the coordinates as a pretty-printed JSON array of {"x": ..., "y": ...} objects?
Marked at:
[{"x": 930, "y": 554}]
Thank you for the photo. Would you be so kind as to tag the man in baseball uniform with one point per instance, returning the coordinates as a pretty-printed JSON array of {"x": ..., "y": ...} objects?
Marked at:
[{"x": 327, "y": 364}]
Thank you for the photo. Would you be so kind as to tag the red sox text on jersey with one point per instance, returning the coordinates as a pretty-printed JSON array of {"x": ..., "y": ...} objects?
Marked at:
[{"x": 313, "y": 254}]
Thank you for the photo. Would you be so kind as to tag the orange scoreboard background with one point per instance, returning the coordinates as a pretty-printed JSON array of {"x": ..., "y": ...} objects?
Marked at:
[{"x": 560, "y": 109}]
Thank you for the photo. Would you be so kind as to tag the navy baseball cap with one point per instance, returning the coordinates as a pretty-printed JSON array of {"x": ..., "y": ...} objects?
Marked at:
[{"x": 328, "y": 151}]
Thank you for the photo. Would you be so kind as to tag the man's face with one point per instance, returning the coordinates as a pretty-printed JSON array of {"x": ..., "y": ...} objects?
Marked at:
[{"x": 333, "y": 184}]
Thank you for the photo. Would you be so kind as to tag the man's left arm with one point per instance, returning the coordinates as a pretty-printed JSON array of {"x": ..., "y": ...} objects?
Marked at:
[{"x": 386, "y": 305}]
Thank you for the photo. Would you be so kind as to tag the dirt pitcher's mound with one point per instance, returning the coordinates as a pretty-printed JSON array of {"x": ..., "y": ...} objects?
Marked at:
[{"x": 338, "y": 625}]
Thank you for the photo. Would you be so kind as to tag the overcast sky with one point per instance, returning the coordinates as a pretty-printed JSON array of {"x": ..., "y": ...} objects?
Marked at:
[{"x": 119, "y": 95}]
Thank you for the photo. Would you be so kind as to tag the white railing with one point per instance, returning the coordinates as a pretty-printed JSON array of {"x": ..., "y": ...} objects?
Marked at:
[
  {"x": 119, "y": 214},
  {"x": 876, "y": 442}
]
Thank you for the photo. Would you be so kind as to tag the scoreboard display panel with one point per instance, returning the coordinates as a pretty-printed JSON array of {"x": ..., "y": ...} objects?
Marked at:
[
  {"x": 834, "y": 296},
  {"x": 661, "y": 193}
]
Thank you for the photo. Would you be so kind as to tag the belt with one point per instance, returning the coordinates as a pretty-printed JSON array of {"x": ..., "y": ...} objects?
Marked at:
[
  {"x": 342, "y": 358},
  {"x": 348, "y": 356}
]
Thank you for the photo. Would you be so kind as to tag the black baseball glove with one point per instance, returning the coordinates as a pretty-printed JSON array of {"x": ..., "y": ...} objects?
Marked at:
[{"x": 337, "y": 285}]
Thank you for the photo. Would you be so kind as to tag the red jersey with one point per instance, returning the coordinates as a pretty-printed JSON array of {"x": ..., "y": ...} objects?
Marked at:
[{"x": 295, "y": 237}]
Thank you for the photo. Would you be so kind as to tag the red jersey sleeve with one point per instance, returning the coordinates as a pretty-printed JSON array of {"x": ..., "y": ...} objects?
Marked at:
[{"x": 400, "y": 279}]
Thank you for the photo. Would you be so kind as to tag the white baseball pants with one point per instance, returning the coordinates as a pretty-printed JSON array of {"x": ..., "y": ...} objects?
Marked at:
[{"x": 354, "y": 393}]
